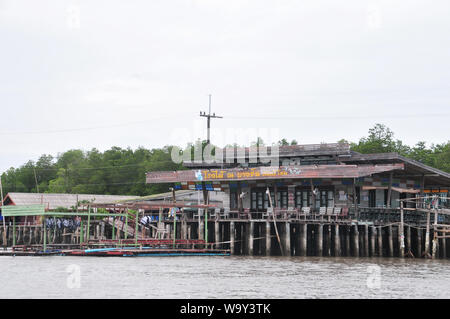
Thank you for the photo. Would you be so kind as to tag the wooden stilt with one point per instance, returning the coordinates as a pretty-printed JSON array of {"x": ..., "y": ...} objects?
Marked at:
[
  {"x": 366, "y": 240},
  {"x": 372, "y": 241},
  {"x": 287, "y": 239},
  {"x": 435, "y": 250},
  {"x": 268, "y": 239},
  {"x": 401, "y": 235},
  {"x": 242, "y": 239},
  {"x": 356, "y": 241},
  {"x": 427, "y": 237},
  {"x": 408, "y": 241},
  {"x": 217, "y": 234},
  {"x": 232, "y": 234},
  {"x": 319, "y": 240},
  {"x": 337, "y": 241},
  {"x": 251, "y": 231},
  {"x": 347, "y": 241},
  {"x": 419, "y": 242},
  {"x": 303, "y": 239},
  {"x": 391, "y": 242},
  {"x": 444, "y": 247}
]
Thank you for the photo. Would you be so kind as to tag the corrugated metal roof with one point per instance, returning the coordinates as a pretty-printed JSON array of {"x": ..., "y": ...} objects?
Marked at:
[
  {"x": 53, "y": 201},
  {"x": 262, "y": 173}
]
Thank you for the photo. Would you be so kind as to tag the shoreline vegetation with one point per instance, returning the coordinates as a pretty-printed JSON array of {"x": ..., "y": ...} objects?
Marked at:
[{"x": 121, "y": 171}]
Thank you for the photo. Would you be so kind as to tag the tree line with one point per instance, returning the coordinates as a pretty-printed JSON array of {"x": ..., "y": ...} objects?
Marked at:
[{"x": 121, "y": 171}]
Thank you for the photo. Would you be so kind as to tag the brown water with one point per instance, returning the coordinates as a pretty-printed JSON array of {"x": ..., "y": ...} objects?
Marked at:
[{"x": 222, "y": 277}]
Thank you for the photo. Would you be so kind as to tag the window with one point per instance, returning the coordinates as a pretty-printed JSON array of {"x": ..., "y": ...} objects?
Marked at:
[
  {"x": 253, "y": 200},
  {"x": 233, "y": 200},
  {"x": 259, "y": 199},
  {"x": 372, "y": 198},
  {"x": 323, "y": 198},
  {"x": 330, "y": 199},
  {"x": 386, "y": 192},
  {"x": 282, "y": 197}
]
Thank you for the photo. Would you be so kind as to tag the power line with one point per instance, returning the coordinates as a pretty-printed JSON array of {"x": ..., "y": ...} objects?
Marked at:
[
  {"x": 91, "y": 127},
  {"x": 92, "y": 168},
  {"x": 337, "y": 117}
]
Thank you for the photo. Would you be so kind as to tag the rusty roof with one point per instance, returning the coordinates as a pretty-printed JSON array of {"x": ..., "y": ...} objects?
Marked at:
[{"x": 262, "y": 173}]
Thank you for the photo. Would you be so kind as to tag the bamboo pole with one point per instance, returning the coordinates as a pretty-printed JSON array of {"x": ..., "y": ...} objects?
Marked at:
[
  {"x": 113, "y": 228},
  {"x": 435, "y": 239},
  {"x": 274, "y": 220},
  {"x": 45, "y": 233},
  {"x": 14, "y": 231},
  {"x": 88, "y": 235},
  {"x": 206, "y": 225},
  {"x": 5, "y": 241},
  {"x": 137, "y": 225},
  {"x": 427, "y": 237},
  {"x": 401, "y": 233}
]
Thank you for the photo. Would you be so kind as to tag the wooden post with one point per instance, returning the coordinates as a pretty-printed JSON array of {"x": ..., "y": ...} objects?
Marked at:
[
  {"x": 45, "y": 233},
  {"x": 102, "y": 230},
  {"x": 268, "y": 239},
  {"x": 81, "y": 231},
  {"x": 389, "y": 191},
  {"x": 303, "y": 239},
  {"x": 435, "y": 251},
  {"x": 206, "y": 225},
  {"x": 329, "y": 241},
  {"x": 356, "y": 241},
  {"x": 419, "y": 242},
  {"x": 88, "y": 235},
  {"x": 136, "y": 229},
  {"x": 14, "y": 231},
  {"x": 444, "y": 246},
  {"x": 427, "y": 237},
  {"x": 347, "y": 241},
  {"x": 313, "y": 198},
  {"x": 232, "y": 234},
  {"x": 250, "y": 238},
  {"x": 401, "y": 235},
  {"x": 243, "y": 248},
  {"x": 355, "y": 202},
  {"x": 372, "y": 241},
  {"x": 408, "y": 240},
  {"x": 126, "y": 224},
  {"x": 113, "y": 227},
  {"x": 200, "y": 227},
  {"x": 217, "y": 234},
  {"x": 287, "y": 239},
  {"x": 319, "y": 240},
  {"x": 366, "y": 240},
  {"x": 337, "y": 241},
  {"x": 391, "y": 242}
]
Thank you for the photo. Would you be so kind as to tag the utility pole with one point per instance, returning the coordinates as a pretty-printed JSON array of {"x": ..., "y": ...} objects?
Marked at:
[{"x": 209, "y": 117}]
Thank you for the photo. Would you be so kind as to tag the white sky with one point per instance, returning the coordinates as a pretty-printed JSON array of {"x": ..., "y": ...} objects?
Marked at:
[{"x": 84, "y": 74}]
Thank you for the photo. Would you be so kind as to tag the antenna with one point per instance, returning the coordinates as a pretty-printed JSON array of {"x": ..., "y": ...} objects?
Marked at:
[{"x": 209, "y": 117}]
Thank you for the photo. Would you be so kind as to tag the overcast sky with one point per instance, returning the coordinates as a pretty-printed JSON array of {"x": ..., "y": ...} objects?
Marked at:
[{"x": 84, "y": 74}]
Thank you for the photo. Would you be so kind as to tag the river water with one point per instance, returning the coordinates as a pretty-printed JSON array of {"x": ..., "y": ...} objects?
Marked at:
[{"x": 222, "y": 277}]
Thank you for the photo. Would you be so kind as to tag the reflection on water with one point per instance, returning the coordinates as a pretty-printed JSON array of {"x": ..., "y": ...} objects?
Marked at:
[{"x": 223, "y": 277}]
